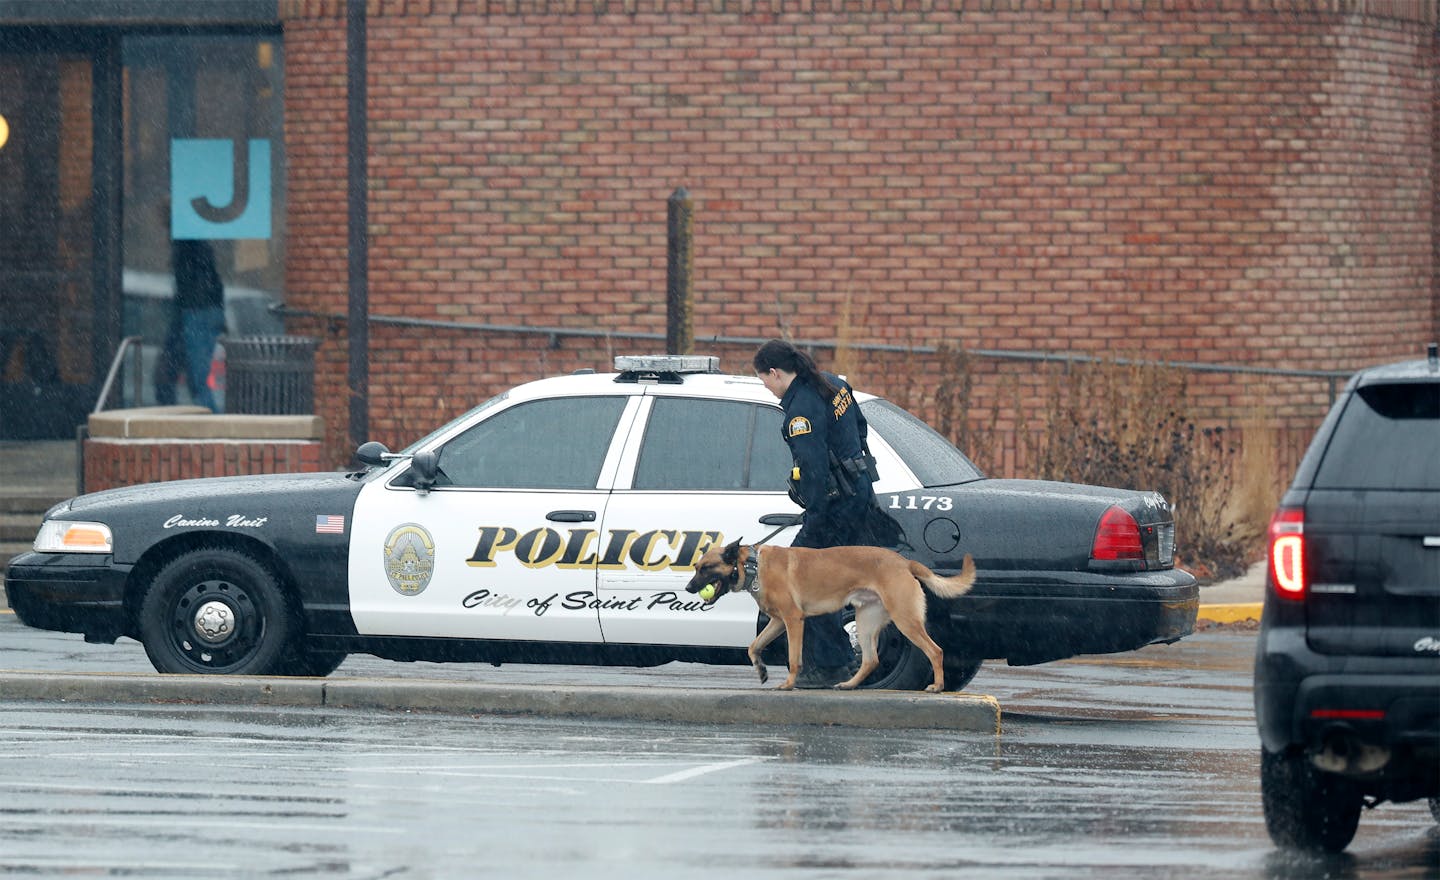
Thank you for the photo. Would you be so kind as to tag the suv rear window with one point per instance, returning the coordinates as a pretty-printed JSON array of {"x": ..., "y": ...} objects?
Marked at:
[{"x": 1388, "y": 438}]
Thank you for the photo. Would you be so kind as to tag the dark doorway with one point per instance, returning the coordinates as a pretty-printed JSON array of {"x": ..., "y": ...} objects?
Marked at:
[{"x": 47, "y": 241}]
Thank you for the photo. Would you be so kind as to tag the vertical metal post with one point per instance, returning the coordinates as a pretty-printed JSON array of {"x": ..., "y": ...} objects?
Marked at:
[
  {"x": 679, "y": 290},
  {"x": 106, "y": 263},
  {"x": 358, "y": 374}
]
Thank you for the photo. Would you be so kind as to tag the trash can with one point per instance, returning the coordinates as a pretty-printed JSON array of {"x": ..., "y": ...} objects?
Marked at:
[{"x": 270, "y": 375}]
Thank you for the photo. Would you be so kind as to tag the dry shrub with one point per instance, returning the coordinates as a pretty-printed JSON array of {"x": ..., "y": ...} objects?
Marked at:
[
  {"x": 1260, "y": 481},
  {"x": 1121, "y": 423}
]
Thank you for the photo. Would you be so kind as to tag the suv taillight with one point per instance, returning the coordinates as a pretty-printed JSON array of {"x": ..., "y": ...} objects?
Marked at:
[
  {"x": 1287, "y": 552},
  {"x": 1117, "y": 537}
]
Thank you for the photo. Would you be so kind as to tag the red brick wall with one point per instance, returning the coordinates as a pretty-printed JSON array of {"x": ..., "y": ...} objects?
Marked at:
[
  {"x": 113, "y": 463},
  {"x": 1229, "y": 182}
]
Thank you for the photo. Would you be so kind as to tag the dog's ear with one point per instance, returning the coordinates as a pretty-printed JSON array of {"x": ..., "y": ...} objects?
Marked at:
[{"x": 731, "y": 554}]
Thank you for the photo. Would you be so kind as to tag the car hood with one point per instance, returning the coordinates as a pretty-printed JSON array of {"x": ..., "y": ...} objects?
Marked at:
[{"x": 201, "y": 492}]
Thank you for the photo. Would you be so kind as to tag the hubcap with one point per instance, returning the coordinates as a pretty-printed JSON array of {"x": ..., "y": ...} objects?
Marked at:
[{"x": 214, "y": 622}]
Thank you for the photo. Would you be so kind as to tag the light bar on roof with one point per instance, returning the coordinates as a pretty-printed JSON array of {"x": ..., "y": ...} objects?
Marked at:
[{"x": 667, "y": 363}]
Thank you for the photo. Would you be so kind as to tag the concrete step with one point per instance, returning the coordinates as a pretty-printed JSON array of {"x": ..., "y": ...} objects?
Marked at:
[
  {"x": 9, "y": 550},
  {"x": 31, "y": 502},
  {"x": 18, "y": 527}
]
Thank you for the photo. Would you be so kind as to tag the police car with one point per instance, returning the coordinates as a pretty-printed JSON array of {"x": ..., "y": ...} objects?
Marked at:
[{"x": 559, "y": 522}]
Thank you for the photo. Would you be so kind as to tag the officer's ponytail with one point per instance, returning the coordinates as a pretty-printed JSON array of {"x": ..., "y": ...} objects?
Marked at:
[{"x": 781, "y": 355}]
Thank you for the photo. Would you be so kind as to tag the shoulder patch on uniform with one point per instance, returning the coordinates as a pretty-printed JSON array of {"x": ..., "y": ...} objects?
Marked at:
[{"x": 798, "y": 425}]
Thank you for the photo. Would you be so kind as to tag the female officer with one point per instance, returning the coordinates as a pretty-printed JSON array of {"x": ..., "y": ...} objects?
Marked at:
[{"x": 826, "y": 434}]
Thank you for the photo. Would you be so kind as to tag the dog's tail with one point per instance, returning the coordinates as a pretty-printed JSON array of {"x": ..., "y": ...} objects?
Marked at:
[{"x": 946, "y": 588}]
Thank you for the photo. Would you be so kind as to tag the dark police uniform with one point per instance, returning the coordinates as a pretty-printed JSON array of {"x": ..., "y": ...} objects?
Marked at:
[{"x": 838, "y": 501}]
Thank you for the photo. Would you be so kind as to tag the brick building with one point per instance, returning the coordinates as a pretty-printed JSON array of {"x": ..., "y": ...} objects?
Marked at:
[
  {"x": 1222, "y": 183},
  {"x": 1227, "y": 183}
]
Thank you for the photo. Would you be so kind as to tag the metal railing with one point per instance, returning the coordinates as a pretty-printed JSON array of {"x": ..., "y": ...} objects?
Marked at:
[
  {"x": 116, "y": 362},
  {"x": 82, "y": 430},
  {"x": 555, "y": 334}
]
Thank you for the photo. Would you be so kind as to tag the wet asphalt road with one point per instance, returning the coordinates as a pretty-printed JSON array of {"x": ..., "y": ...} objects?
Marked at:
[{"x": 1136, "y": 765}]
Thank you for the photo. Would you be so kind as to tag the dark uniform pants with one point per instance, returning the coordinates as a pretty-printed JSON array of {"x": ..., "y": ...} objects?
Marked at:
[{"x": 847, "y": 523}]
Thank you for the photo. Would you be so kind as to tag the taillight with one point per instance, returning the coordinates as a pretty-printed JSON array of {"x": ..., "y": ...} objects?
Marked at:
[
  {"x": 1287, "y": 552},
  {"x": 1118, "y": 537}
]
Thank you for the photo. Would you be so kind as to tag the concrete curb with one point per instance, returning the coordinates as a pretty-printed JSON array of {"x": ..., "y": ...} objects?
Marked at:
[
  {"x": 869, "y": 709},
  {"x": 1232, "y": 613}
]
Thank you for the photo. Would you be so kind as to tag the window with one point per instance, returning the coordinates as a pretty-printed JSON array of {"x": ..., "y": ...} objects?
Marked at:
[
  {"x": 547, "y": 444},
  {"x": 204, "y": 173},
  {"x": 1388, "y": 438},
  {"x": 712, "y": 445},
  {"x": 932, "y": 458}
]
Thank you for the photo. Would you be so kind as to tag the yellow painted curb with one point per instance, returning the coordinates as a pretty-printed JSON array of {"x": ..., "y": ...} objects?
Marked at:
[{"x": 1230, "y": 613}]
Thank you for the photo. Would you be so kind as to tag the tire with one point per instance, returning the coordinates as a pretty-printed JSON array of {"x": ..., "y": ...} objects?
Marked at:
[
  {"x": 218, "y": 611},
  {"x": 903, "y": 667},
  {"x": 960, "y": 671},
  {"x": 312, "y": 664},
  {"x": 1306, "y": 809}
]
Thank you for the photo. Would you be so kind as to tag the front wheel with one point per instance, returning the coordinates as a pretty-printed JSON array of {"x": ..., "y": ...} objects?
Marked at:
[
  {"x": 1307, "y": 809},
  {"x": 218, "y": 611}
]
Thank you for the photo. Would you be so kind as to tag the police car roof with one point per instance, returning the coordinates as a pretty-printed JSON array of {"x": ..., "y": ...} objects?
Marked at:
[
  {"x": 721, "y": 386},
  {"x": 717, "y": 385}
]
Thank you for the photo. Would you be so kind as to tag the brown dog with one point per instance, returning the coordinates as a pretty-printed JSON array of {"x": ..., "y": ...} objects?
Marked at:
[{"x": 793, "y": 583}]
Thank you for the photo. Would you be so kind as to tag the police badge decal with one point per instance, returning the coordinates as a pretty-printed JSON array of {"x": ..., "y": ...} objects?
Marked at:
[{"x": 409, "y": 559}]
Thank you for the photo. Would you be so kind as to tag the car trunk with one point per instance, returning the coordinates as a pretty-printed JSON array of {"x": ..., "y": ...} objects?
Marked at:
[{"x": 1375, "y": 574}]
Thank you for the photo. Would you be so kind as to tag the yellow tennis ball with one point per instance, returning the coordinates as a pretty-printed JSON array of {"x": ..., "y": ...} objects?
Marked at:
[{"x": 707, "y": 592}]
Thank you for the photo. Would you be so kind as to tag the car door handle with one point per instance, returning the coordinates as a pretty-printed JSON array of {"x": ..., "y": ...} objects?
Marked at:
[
  {"x": 571, "y": 516},
  {"x": 780, "y": 519}
]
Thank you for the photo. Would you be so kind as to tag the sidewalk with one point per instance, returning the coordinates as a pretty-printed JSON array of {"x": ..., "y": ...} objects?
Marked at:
[{"x": 1236, "y": 600}]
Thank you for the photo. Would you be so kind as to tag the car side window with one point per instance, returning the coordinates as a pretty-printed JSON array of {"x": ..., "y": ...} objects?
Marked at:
[
  {"x": 546, "y": 444},
  {"x": 711, "y": 445}
]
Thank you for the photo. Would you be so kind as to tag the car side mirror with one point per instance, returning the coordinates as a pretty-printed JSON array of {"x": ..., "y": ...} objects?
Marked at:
[
  {"x": 372, "y": 453},
  {"x": 426, "y": 466}
]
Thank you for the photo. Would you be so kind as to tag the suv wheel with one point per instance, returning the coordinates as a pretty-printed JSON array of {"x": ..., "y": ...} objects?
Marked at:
[{"x": 1306, "y": 809}]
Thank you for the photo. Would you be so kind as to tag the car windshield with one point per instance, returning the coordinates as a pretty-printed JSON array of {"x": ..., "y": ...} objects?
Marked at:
[
  {"x": 934, "y": 460},
  {"x": 424, "y": 441}
]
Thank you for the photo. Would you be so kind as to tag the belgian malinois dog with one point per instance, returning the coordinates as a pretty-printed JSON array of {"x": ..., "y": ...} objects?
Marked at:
[{"x": 793, "y": 583}]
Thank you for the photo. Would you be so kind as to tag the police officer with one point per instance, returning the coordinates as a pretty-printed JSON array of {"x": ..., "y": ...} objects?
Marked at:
[{"x": 826, "y": 434}]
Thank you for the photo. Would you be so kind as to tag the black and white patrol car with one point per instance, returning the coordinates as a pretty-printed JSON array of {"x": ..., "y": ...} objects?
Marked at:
[{"x": 558, "y": 522}]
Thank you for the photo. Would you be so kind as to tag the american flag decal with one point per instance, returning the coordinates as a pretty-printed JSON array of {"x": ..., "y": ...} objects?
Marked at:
[{"x": 329, "y": 525}]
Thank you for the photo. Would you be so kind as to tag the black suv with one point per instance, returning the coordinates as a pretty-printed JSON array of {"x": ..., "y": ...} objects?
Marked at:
[{"x": 1347, "y": 667}]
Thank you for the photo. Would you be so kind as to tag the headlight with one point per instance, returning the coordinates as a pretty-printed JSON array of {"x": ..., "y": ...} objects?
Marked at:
[{"x": 60, "y": 536}]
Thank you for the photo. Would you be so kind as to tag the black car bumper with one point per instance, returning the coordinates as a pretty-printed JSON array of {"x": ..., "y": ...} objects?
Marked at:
[
  {"x": 1309, "y": 701},
  {"x": 69, "y": 592},
  {"x": 1026, "y": 619}
]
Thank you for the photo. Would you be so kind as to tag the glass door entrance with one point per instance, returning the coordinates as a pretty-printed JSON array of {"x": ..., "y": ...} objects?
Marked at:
[
  {"x": 141, "y": 199},
  {"x": 47, "y": 297}
]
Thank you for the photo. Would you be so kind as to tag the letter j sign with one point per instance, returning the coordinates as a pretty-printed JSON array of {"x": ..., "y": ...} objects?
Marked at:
[{"x": 219, "y": 189}]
